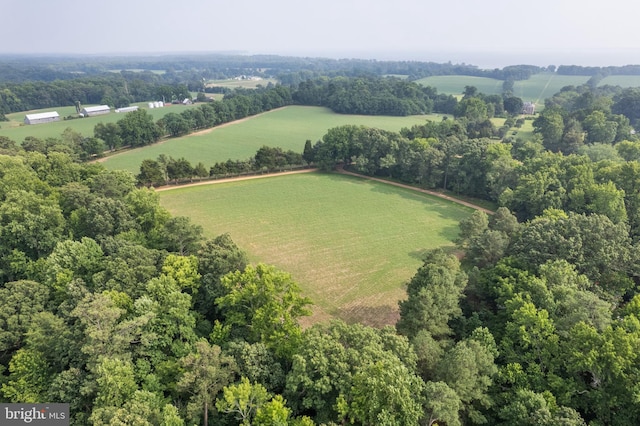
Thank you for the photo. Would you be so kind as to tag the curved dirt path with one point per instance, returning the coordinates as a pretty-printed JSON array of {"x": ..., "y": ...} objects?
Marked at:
[
  {"x": 232, "y": 179},
  {"x": 424, "y": 191},
  {"x": 401, "y": 185}
]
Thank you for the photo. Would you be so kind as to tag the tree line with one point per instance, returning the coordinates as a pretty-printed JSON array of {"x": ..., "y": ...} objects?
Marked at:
[
  {"x": 289, "y": 70},
  {"x": 115, "y": 90},
  {"x": 372, "y": 96},
  {"x": 591, "y": 71},
  {"x": 164, "y": 170}
]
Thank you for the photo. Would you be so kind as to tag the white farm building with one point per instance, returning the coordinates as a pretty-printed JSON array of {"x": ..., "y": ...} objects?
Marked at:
[
  {"x": 529, "y": 108},
  {"x": 43, "y": 117},
  {"x": 127, "y": 109},
  {"x": 95, "y": 110}
]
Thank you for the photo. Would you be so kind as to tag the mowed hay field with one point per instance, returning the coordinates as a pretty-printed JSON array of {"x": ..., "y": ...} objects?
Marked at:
[
  {"x": 542, "y": 86},
  {"x": 287, "y": 128},
  {"x": 454, "y": 84},
  {"x": 352, "y": 244},
  {"x": 536, "y": 89},
  {"x": 621, "y": 80},
  {"x": 233, "y": 83}
]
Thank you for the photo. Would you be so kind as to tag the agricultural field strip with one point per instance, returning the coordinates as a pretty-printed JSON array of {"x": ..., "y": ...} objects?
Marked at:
[
  {"x": 401, "y": 185},
  {"x": 332, "y": 232},
  {"x": 536, "y": 89},
  {"x": 287, "y": 128}
]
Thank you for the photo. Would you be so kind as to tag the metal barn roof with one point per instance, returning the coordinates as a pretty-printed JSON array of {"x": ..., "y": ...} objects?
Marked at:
[
  {"x": 97, "y": 108},
  {"x": 42, "y": 115}
]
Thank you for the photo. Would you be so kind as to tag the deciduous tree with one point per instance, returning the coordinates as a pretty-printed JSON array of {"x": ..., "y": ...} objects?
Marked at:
[
  {"x": 206, "y": 372},
  {"x": 263, "y": 304}
]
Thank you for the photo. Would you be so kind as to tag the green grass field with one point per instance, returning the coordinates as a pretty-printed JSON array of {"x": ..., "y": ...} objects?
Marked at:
[
  {"x": 16, "y": 130},
  {"x": 351, "y": 244},
  {"x": 454, "y": 84},
  {"x": 232, "y": 83},
  {"x": 159, "y": 72},
  {"x": 287, "y": 128},
  {"x": 536, "y": 89},
  {"x": 621, "y": 80},
  {"x": 542, "y": 86}
]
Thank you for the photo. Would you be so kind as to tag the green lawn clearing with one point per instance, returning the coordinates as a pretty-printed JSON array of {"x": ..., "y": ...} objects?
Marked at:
[
  {"x": 454, "y": 84},
  {"x": 246, "y": 83},
  {"x": 352, "y": 244},
  {"x": 544, "y": 85},
  {"x": 621, "y": 80},
  {"x": 536, "y": 89},
  {"x": 287, "y": 128}
]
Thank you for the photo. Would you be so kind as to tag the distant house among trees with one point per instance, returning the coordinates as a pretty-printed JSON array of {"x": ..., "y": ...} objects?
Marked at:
[
  {"x": 529, "y": 108},
  {"x": 95, "y": 110},
  {"x": 43, "y": 117}
]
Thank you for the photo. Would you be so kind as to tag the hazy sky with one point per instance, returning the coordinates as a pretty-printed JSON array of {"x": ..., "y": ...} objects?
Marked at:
[{"x": 584, "y": 32}]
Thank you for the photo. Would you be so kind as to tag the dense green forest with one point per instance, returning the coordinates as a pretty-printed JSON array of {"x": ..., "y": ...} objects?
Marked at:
[{"x": 133, "y": 317}]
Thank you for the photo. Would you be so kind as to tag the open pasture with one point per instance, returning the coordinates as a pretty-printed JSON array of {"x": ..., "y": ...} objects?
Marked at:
[
  {"x": 454, "y": 84},
  {"x": 535, "y": 89},
  {"x": 544, "y": 85},
  {"x": 233, "y": 83},
  {"x": 287, "y": 128},
  {"x": 16, "y": 130},
  {"x": 352, "y": 244},
  {"x": 621, "y": 80}
]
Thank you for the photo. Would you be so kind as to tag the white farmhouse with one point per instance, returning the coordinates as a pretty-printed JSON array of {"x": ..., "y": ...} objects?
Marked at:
[
  {"x": 95, "y": 110},
  {"x": 529, "y": 108},
  {"x": 43, "y": 117}
]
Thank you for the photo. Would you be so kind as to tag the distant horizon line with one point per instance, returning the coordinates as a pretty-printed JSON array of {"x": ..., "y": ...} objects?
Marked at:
[{"x": 482, "y": 59}]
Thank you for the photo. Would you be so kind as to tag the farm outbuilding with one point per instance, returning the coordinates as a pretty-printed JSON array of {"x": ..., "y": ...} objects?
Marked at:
[
  {"x": 529, "y": 108},
  {"x": 127, "y": 109},
  {"x": 95, "y": 110},
  {"x": 43, "y": 117}
]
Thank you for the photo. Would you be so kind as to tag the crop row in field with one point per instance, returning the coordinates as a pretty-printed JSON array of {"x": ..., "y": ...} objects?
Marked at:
[
  {"x": 351, "y": 244},
  {"x": 287, "y": 128}
]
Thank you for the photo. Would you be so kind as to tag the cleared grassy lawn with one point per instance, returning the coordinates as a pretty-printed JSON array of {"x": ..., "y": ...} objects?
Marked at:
[
  {"x": 621, "y": 80},
  {"x": 287, "y": 128},
  {"x": 544, "y": 85},
  {"x": 454, "y": 84},
  {"x": 536, "y": 89},
  {"x": 16, "y": 130},
  {"x": 351, "y": 244},
  {"x": 232, "y": 83}
]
